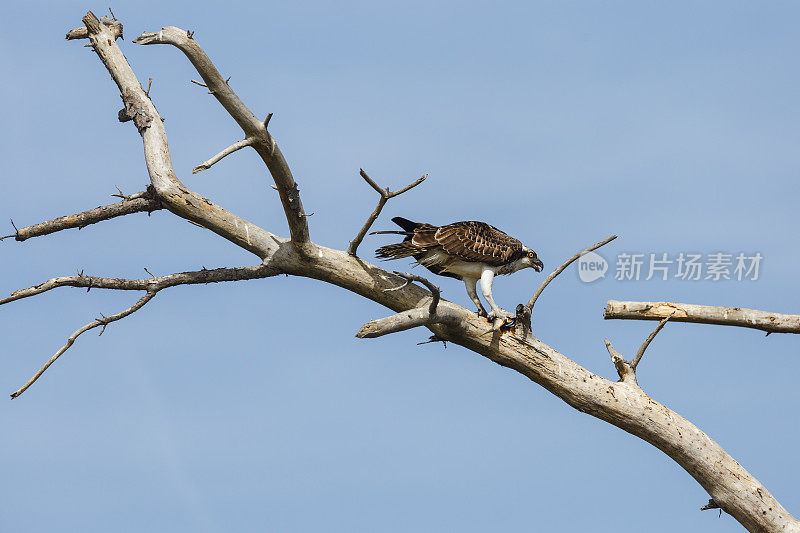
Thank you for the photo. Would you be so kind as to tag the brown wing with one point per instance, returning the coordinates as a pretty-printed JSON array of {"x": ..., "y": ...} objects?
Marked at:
[
  {"x": 424, "y": 236},
  {"x": 477, "y": 241}
]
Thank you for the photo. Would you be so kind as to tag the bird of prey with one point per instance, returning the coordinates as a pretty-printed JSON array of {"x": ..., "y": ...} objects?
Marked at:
[{"x": 469, "y": 251}]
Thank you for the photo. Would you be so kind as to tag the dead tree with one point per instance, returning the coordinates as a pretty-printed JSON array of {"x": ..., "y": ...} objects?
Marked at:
[{"x": 622, "y": 403}]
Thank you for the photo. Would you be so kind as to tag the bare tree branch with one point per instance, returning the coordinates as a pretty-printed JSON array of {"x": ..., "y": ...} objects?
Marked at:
[
  {"x": 624, "y": 368},
  {"x": 152, "y": 286},
  {"x": 385, "y": 196},
  {"x": 647, "y": 341},
  {"x": 181, "y": 278},
  {"x": 91, "y": 325},
  {"x": 619, "y": 403},
  {"x": 563, "y": 267},
  {"x": 436, "y": 292},
  {"x": 174, "y": 195},
  {"x": 627, "y": 369},
  {"x": 524, "y": 312},
  {"x": 114, "y": 26},
  {"x": 412, "y": 318},
  {"x": 407, "y": 319},
  {"x": 145, "y": 201},
  {"x": 229, "y": 150},
  {"x": 703, "y": 314},
  {"x": 263, "y": 142}
]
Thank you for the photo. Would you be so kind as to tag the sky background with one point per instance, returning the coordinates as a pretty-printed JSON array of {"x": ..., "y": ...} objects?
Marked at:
[{"x": 252, "y": 407}]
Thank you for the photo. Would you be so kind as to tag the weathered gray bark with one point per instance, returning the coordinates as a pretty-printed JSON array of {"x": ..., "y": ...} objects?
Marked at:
[
  {"x": 704, "y": 314},
  {"x": 623, "y": 404}
]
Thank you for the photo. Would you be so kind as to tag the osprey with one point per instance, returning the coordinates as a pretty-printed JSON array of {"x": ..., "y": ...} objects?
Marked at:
[{"x": 469, "y": 251}]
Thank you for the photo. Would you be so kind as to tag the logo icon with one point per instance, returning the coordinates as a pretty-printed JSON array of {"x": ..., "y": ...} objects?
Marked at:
[{"x": 591, "y": 267}]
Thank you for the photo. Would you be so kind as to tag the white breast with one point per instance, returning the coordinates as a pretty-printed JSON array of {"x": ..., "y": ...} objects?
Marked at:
[{"x": 452, "y": 264}]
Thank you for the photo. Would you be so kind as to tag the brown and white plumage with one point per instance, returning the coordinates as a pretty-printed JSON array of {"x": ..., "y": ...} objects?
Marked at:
[{"x": 467, "y": 250}]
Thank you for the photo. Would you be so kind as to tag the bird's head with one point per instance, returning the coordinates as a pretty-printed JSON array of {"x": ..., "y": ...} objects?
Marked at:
[{"x": 532, "y": 260}]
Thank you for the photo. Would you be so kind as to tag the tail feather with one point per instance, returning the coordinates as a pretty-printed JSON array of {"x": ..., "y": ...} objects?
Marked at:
[
  {"x": 398, "y": 251},
  {"x": 406, "y": 224},
  {"x": 391, "y": 233}
]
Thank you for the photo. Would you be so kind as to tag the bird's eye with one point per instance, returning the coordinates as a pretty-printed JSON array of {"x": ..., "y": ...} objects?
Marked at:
[{"x": 531, "y": 255}]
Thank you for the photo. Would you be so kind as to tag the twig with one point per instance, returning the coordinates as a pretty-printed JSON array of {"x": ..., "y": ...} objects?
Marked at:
[
  {"x": 199, "y": 83},
  {"x": 703, "y": 314},
  {"x": 398, "y": 287},
  {"x": 385, "y": 196},
  {"x": 149, "y": 84},
  {"x": 563, "y": 267},
  {"x": 93, "y": 324},
  {"x": 145, "y": 201},
  {"x": 648, "y": 340},
  {"x": 227, "y": 151},
  {"x": 435, "y": 291}
]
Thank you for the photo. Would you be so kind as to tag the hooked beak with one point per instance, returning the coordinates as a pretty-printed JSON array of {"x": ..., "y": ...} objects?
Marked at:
[{"x": 537, "y": 265}]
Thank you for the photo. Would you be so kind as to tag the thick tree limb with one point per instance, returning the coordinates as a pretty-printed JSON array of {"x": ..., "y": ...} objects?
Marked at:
[
  {"x": 152, "y": 286},
  {"x": 385, "y": 196},
  {"x": 626, "y": 406},
  {"x": 412, "y": 318},
  {"x": 407, "y": 319},
  {"x": 227, "y": 151},
  {"x": 263, "y": 141},
  {"x": 703, "y": 314},
  {"x": 145, "y": 201}
]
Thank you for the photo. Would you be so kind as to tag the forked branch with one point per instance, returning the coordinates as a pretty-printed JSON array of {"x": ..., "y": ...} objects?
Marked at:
[
  {"x": 152, "y": 286},
  {"x": 255, "y": 129},
  {"x": 419, "y": 316},
  {"x": 104, "y": 321},
  {"x": 386, "y": 194},
  {"x": 627, "y": 369}
]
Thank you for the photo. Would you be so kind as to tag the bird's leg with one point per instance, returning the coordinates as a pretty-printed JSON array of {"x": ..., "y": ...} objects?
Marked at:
[
  {"x": 487, "y": 277},
  {"x": 470, "y": 283}
]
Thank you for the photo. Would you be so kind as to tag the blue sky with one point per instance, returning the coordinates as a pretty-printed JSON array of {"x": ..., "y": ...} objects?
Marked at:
[{"x": 251, "y": 406}]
